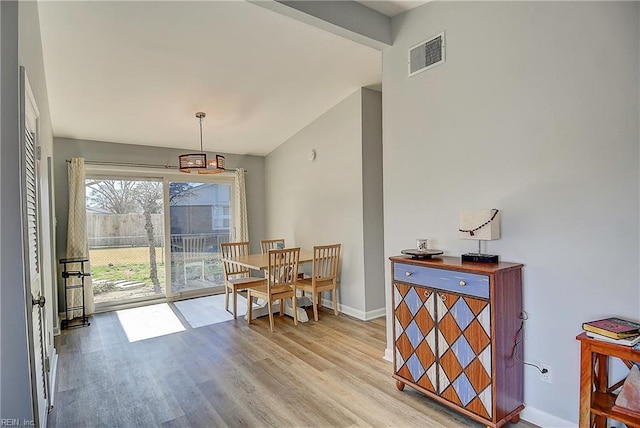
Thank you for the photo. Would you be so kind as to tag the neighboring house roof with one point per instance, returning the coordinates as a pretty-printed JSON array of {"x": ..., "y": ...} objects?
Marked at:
[{"x": 204, "y": 194}]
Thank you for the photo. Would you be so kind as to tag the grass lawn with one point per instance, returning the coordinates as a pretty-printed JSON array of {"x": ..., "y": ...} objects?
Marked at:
[{"x": 109, "y": 265}]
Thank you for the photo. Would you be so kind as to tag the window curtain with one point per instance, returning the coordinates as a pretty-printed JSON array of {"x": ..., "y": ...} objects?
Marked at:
[
  {"x": 240, "y": 224},
  {"x": 77, "y": 243}
]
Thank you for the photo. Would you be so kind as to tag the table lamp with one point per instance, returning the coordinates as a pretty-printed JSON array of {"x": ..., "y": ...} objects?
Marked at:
[{"x": 483, "y": 225}]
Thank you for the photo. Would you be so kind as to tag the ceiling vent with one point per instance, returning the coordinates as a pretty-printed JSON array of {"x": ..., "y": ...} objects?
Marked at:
[{"x": 426, "y": 55}]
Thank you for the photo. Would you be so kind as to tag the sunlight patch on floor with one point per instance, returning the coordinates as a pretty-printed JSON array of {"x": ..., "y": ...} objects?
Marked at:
[
  {"x": 147, "y": 322},
  {"x": 209, "y": 310}
]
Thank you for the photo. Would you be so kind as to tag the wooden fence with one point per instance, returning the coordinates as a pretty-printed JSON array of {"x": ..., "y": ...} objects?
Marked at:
[
  {"x": 127, "y": 230},
  {"x": 122, "y": 230}
]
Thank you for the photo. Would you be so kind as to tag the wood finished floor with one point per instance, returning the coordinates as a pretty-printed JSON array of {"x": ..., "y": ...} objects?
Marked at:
[{"x": 325, "y": 374}]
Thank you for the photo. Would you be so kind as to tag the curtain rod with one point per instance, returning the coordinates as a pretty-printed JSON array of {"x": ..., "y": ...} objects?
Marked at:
[{"x": 138, "y": 165}]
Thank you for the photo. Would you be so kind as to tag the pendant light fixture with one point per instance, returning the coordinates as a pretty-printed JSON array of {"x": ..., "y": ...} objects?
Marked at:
[{"x": 198, "y": 161}]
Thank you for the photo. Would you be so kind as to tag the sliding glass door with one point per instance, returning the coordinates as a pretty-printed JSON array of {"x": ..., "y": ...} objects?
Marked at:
[
  {"x": 125, "y": 229},
  {"x": 136, "y": 254},
  {"x": 200, "y": 219}
]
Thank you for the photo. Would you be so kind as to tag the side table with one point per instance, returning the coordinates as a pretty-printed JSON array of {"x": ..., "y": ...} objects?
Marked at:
[{"x": 596, "y": 396}]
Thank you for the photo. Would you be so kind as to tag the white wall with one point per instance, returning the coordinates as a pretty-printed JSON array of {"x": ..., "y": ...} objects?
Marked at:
[
  {"x": 15, "y": 385},
  {"x": 321, "y": 202},
  {"x": 535, "y": 112},
  {"x": 1, "y": 142},
  {"x": 21, "y": 45},
  {"x": 373, "y": 203}
]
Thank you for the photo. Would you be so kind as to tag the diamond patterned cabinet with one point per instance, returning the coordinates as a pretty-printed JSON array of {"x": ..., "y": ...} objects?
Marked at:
[{"x": 455, "y": 329}]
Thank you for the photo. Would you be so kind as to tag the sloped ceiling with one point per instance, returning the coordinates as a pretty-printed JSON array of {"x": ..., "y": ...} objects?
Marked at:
[{"x": 137, "y": 72}]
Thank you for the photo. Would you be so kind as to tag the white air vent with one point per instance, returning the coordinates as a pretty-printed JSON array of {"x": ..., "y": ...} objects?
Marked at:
[{"x": 426, "y": 55}]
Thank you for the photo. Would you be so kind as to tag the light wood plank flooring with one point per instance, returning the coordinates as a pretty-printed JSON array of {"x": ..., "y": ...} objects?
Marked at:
[{"x": 325, "y": 374}]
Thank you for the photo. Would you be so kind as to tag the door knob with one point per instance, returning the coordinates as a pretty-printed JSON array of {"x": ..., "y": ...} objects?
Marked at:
[{"x": 40, "y": 301}]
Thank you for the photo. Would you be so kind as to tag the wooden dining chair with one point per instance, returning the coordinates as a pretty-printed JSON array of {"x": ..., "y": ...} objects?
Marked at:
[
  {"x": 236, "y": 277},
  {"x": 324, "y": 274},
  {"x": 271, "y": 244},
  {"x": 280, "y": 283}
]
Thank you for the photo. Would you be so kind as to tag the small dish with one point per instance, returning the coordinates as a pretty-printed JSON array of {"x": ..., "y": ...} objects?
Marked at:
[{"x": 422, "y": 254}]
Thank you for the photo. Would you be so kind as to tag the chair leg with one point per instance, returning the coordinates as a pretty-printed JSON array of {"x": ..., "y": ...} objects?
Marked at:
[
  {"x": 226, "y": 297},
  {"x": 235, "y": 303},
  {"x": 294, "y": 302},
  {"x": 281, "y": 307},
  {"x": 270, "y": 314},
  {"x": 184, "y": 267},
  {"x": 315, "y": 305},
  {"x": 335, "y": 301},
  {"x": 203, "y": 271}
]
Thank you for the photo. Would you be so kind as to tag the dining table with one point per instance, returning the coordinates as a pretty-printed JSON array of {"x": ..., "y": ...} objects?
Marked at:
[{"x": 260, "y": 262}]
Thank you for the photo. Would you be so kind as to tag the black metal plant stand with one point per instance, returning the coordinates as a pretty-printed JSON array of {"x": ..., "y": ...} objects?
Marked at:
[{"x": 66, "y": 274}]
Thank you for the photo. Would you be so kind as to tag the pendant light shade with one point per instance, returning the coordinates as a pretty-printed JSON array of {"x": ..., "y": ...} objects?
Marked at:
[{"x": 198, "y": 161}]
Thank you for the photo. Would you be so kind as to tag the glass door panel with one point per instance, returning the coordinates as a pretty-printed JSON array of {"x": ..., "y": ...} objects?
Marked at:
[
  {"x": 125, "y": 230},
  {"x": 199, "y": 221}
]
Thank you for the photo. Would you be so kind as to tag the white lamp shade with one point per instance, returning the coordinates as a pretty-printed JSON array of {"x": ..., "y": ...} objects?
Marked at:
[{"x": 479, "y": 226}]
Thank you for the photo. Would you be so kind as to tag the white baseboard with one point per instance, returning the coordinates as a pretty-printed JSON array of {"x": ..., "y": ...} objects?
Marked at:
[
  {"x": 53, "y": 375},
  {"x": 56, "y": 327},
  {"x": 376, "y": 313},
  {"x": 356, "y": 313},
  {"x": 388, "y": 355},
  {"x": 544, "y": 419}
]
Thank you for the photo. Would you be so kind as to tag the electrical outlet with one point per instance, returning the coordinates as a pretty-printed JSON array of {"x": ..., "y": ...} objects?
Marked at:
[{"x": 546, "y": 377}]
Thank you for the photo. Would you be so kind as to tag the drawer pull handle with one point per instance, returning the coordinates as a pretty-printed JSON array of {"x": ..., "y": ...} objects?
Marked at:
[
  {"x": 427, "y": 293},
  {"x": 462, "y": 283},
  {"x": 443, "y": 297},
  {"x": 407, "y": 274}
]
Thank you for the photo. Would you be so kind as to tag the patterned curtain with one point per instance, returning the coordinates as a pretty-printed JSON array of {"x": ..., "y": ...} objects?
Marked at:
[
  {"x": 241, "y": 227},
  {"x": 77, "y": 243}
]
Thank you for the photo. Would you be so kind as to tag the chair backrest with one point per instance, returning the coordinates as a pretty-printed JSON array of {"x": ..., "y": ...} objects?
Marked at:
[
  {"x": 271, "y": 244},
  {"x": 176, "y": 243},
  {"x": 283, "y": 268},
  {"x": 193, "y": 247},
  {"x": 325, "y": 262},
  {"x": 234, "y": 249}
]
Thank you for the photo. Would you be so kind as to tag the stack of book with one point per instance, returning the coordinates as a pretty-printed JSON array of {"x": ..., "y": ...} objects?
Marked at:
[{"x": 614, "y": 330}]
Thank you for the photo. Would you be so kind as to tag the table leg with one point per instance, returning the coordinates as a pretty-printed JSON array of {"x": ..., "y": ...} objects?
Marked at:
[
  {"x": 601, "y": 384},
  {"x": 586, "y": 384},
  {"x": 302, "y": 314}
]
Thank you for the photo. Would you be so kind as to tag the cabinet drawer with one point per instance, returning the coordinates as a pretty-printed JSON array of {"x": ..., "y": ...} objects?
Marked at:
[{"x": 447, "y": 280}]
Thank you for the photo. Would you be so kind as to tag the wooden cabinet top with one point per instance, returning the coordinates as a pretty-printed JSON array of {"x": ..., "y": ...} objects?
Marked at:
[{"x": 456, "y": 263}]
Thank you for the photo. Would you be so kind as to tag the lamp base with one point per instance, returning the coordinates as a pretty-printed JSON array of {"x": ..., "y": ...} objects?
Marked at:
[{"x": 480, "y": 258}]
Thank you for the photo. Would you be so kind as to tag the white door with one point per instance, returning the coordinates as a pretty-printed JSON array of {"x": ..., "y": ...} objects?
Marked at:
[{"x": 36, "y": 319}]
